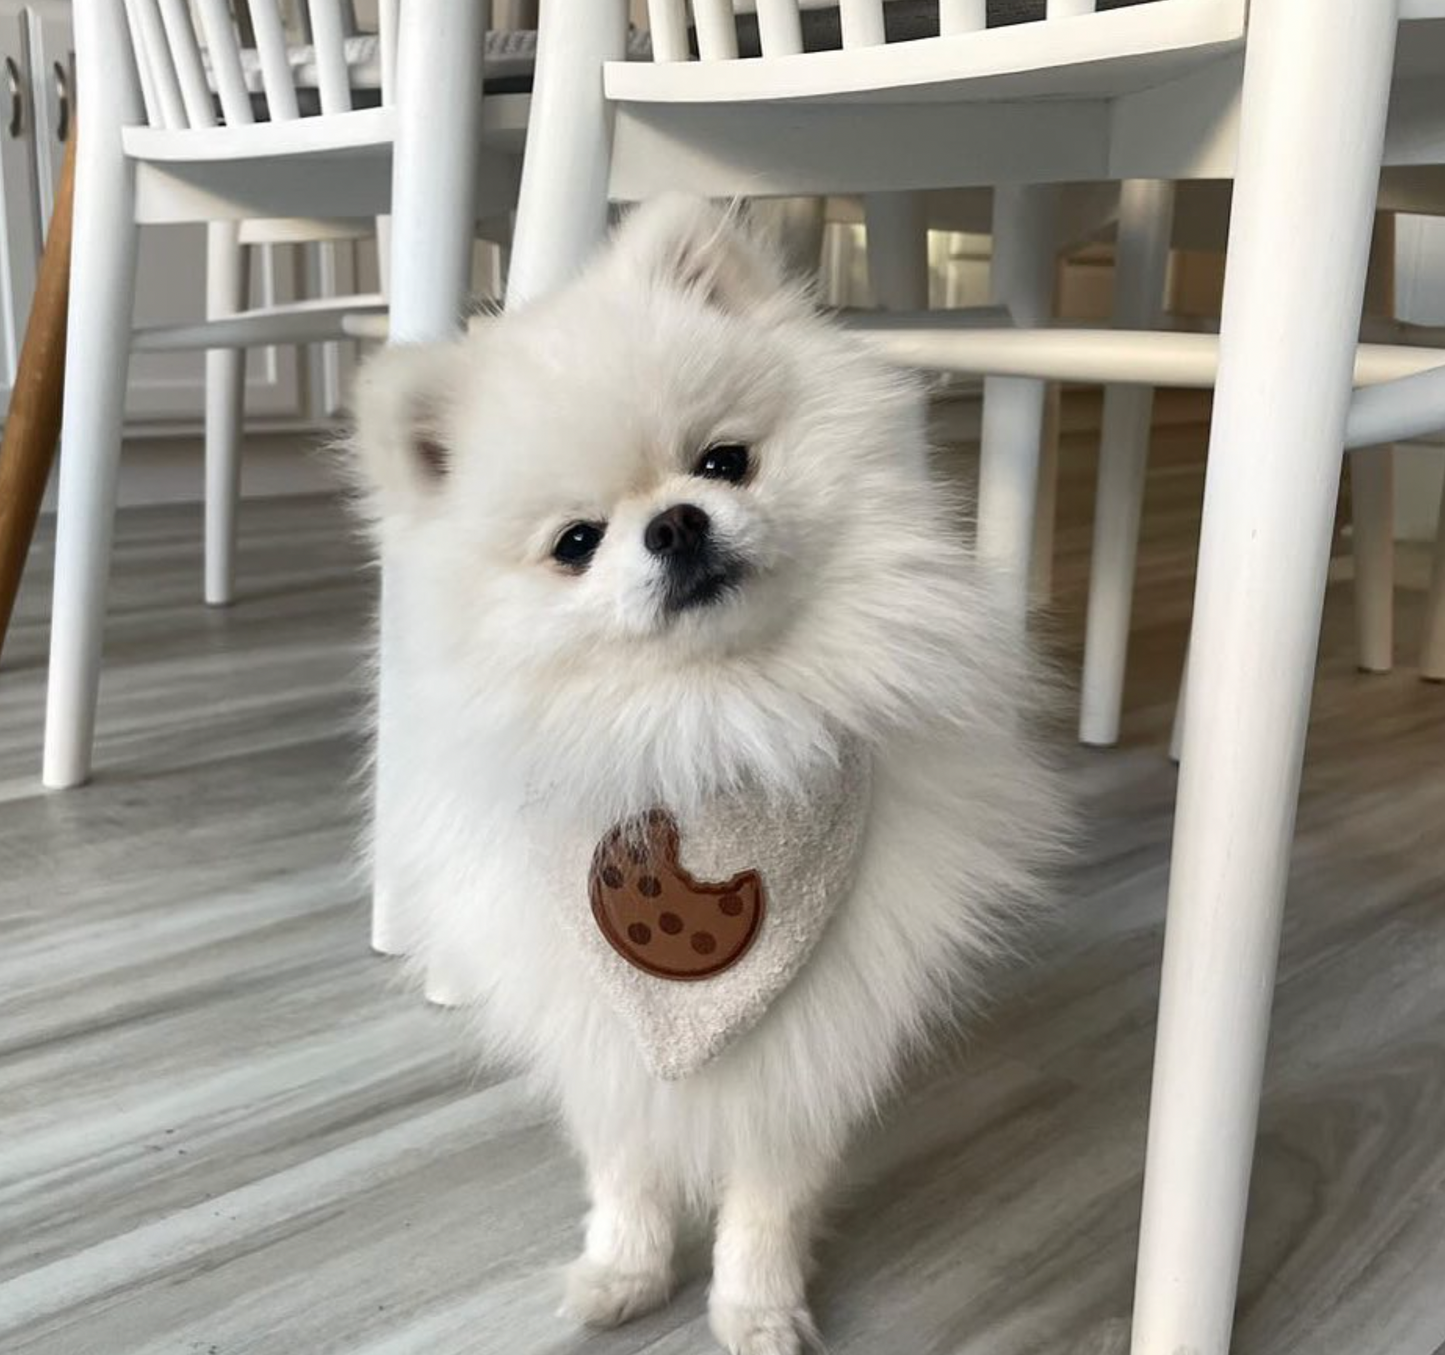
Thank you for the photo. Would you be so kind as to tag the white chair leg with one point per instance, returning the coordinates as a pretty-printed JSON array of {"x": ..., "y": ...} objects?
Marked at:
[
  {"x": 562, "y": 207},
  {"x": 102, "y": 293},
  {"x": 1176, "y": 729},
  {"x": 227, "y": 282},
  {"x": 1021, "y": 278},
  {"x": 801, "y": 223},
  {"x": 383, "y": 255},
  {"x": 1041, "y": 563},
  {"x": 1372, "y": 491},
  {"x": 1432, "y": 650},
  {"x": 449, "y": 978},
  {"x": 1286, "y": 351},
  {"x": 434, "y": 178},
  {"x": 897, "y": 232},
  {"x": 1146, "y": 220},
  {"x": 1372, "y": 508},
  {"x": 433, "y": 210}
]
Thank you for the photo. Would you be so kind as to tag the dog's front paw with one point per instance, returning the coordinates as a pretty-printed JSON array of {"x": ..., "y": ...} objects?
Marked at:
[
  {"x": 746, "y": 1330},
  {"x": 599, "y": 1295}
]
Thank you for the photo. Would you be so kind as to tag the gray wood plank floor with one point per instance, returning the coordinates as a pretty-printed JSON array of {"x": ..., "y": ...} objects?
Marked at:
[{"x": 225, "y": 1127}]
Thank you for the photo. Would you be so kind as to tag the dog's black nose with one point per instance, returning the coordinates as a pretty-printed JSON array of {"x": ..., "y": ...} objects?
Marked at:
[{"x": 679, "y": 530}]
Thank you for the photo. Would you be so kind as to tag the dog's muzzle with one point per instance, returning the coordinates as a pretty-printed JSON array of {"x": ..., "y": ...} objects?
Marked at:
[{"x": 696, "y": 570}]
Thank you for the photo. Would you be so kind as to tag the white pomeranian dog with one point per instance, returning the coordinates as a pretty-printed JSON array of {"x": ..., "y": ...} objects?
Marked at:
[{"x": 665, "y": 534}]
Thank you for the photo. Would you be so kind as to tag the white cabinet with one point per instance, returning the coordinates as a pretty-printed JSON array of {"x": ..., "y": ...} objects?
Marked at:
[
  {"x": 37, "y": 110},
  {"x": 52, "y": 93},
  {"x": 19, "y": 204}
]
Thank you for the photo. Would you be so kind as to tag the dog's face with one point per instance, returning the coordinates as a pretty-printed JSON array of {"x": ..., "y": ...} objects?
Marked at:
[
  {"x": 630, "y": 488},
  {"x": 668, "y": 472}
]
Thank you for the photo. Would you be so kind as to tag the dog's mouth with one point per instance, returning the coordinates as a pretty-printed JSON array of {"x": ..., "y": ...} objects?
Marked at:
[{"x": 703, "y": 584}]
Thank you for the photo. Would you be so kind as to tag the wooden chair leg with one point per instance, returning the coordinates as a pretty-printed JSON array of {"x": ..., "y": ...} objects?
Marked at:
[{"x": 32, "y": 426}]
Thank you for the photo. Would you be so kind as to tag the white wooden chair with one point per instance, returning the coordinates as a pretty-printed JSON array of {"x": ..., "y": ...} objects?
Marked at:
[
  {"x": 1290, "y": 99},
  {"x": 367, "y": 61},
  {"x": 1145, "y": 229},
  {"x": 158, "y": 146}
]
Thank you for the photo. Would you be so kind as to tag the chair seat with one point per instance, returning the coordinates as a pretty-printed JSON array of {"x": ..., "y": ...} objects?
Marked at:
[{"x": 274, "y": 169}]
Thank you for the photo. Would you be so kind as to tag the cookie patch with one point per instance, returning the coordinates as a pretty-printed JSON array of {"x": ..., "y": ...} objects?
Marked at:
[{"x": 657, "y": 915}]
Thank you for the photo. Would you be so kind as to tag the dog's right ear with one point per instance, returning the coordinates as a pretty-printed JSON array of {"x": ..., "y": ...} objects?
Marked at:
[{"x": 401, "y": 451}]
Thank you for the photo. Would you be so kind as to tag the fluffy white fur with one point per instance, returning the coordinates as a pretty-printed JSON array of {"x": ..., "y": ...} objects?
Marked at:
[{"x": 535, "y": 700}]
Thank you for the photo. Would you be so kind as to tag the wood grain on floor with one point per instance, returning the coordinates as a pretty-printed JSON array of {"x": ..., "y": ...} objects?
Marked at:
[{"x": 226, "y": 1127}]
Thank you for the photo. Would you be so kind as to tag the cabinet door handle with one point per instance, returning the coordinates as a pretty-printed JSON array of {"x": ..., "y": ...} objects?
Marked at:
[
  {"x": 17, "y": 97},
  {"x": 62, "y": 103}
]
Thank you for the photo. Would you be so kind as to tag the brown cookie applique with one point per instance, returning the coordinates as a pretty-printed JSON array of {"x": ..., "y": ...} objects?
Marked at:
[{"x": 657, "y": 916}]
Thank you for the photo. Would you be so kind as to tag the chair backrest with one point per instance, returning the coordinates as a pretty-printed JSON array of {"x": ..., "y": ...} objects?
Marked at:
[
  {"x": 709, "y": 28},
  {"x": 191, "y": 60}
]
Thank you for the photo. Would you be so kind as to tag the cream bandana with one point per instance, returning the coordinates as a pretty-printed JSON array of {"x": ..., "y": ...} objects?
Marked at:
[{"x": 693, "y": 927}]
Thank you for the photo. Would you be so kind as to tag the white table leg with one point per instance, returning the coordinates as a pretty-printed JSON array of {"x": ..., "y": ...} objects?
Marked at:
[
  {"x": 1312, "y": 128},
  {"x": 1146, "y": 222}
]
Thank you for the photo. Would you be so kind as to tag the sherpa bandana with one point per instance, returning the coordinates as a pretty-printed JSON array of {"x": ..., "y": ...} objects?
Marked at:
[{"x": 693, "y": 925}]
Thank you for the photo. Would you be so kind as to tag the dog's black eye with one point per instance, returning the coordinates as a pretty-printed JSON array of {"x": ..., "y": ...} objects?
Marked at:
[
  {"x": 578, "y": 544},
  {"x": 727, "y": 461}
]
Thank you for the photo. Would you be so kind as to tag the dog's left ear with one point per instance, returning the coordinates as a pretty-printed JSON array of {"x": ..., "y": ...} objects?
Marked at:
[
  {"x": 402, "y": 447},
  {"x": 700, "y": 246}
]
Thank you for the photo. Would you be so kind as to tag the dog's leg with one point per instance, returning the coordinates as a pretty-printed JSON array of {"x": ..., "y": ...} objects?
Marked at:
[
  {"x": 625, "y": 1268},
  {"x": 762, "y": 1256}
]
